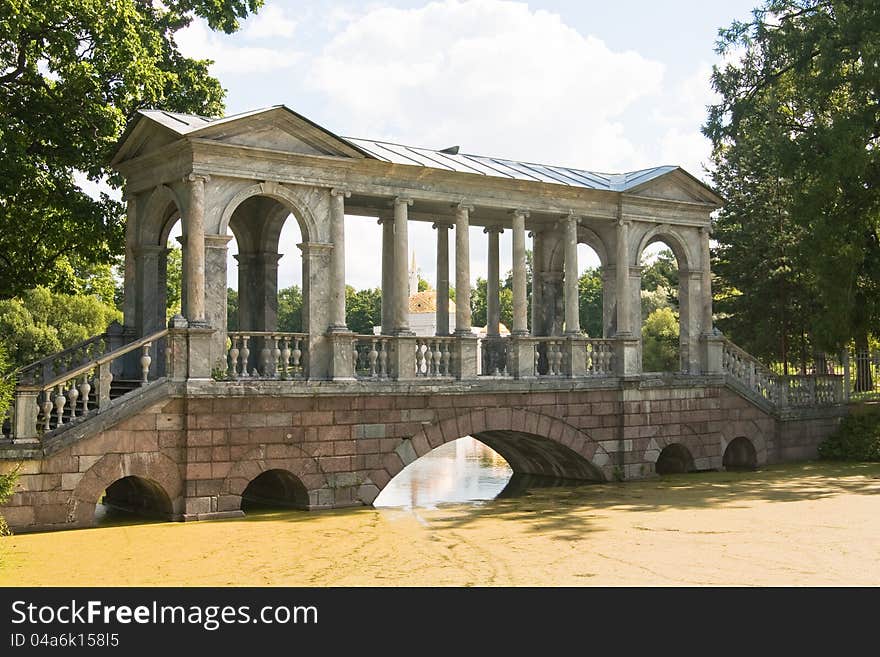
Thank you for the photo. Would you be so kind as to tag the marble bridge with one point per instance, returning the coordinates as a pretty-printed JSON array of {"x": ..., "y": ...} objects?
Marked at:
[{"x": 189, "y": 420}]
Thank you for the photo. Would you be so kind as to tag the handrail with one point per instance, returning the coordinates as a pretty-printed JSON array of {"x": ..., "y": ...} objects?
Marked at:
[
  {"x": 29, "y": 370},
  {"x": 101, "y": 360}
]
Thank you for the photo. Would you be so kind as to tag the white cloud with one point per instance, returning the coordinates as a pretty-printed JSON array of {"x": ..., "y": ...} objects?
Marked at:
[
  {"x": 270, "y": 22},
  {"x": 198, "y": 41},
  {"x": 490, "y": 75}
]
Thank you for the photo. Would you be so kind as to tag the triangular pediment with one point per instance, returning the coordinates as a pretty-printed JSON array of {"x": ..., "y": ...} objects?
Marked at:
[
  {"x": 676, "y": 185},
  {"x": 277, "y": 129}
]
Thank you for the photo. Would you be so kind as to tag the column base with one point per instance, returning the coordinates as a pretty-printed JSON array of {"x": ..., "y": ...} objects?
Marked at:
[
  {"x": 338, "y": 328},
  {"x": 405, "y": 332}
]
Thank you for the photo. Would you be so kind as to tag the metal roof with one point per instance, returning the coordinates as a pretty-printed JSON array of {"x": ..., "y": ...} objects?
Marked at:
[
  {"x": 446, "y": 159},
  {"x": 493, "y": 166}
]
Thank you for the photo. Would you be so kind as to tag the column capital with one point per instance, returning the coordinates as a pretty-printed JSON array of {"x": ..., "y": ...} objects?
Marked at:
[
  {"x": 314, "y": 247},
  {"x": 463, "y": 206},
  {"x": 217, "y": 241},
  {"x": 339, "y": 191},
  {"x": 624, "y": 222},
  {"x": 193, "y": 177},
  {"x": 493, "y": 229},
  {"x": 150, "y": 250},
  {"x": 403, "y": 200},
  {"x": 441, "y": 224},
  {"x": 519, "y": 212},
  {"x": 705, "y": 230}
]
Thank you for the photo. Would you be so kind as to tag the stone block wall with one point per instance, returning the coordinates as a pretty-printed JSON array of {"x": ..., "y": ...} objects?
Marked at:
[{"x": 203, "y": 450}]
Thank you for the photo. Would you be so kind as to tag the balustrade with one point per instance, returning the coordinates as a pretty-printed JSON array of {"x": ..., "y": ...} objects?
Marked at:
[
  {"x": 45, "y": 406},
  {"x": 265, "y": 355},
  {"x": 600, "y": 357},
  {"x": 371, "y": 356},
  {"x": 549, "y": 357},
  {"x": 494, "y": 356},
  {"x": 434, "y": 357}
]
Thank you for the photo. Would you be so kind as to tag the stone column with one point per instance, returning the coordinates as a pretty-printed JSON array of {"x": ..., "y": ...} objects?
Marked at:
[
  {"x": 215, "y": 295},
  {"x": 493, "y": 286},
  {"x": 151, "y": 293},
  {"x": 520, "y": 302},
  {"x": 337, "y": 261},
  {"x": 572, "y": 317},
  {"x": 624, "y": 322},
  {"x": 316, "y": 314},
  {"x": 609, "y": 301},
  {"x": 706, "y": 283},
  {"x": 442, "y": 278},
  {"x": 194, "y": 263},
  {"x": 387, "y": 274},
  {"x": 537, "y": 286},
  {"x": 462, "y": 270},
  {"x": 129, "y": 296},
  {"x": 401, "y": 273}
]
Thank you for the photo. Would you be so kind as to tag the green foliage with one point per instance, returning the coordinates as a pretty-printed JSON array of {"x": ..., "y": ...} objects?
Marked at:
[
  {"x": 423, "y": 284},
  {"x": 41, "y": 322},
  {"x": 174, "y": 282},
  {"x": 290, "y": 306},
  {"x": 795, "y": 155},
  {"x": 7, "y": 488},
  {"x": 72, "y": 72},
  {"x": 7, "y": 380},
  {"x": 363, "y": 309},
  {"x": 857, "y": 439},
  {"x": 660, "y": 341},
  {"x": 479, "y": 307},
  {"x": 590, "y": 302},
  {"x": 231, "y": 309}
]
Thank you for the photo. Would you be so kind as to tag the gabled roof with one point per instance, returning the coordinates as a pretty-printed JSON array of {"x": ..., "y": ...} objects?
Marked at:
[{"x": 448, "y": 159}]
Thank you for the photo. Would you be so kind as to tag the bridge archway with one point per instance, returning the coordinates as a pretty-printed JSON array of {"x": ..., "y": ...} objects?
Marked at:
[
  {"x": 531, "y": 443},
  {"x": 740, "y": 454},
  {"x": 138, "y": 496},
  {"x": 674, "y": 459},
  {"x": 149, "y": 481},
  {"x": 284, "y": 474},
  {"x": 275, "y": 488}
]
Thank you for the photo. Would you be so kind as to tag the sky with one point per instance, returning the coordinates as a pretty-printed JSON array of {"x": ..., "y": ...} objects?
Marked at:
[{"x": 605, "y": 86}]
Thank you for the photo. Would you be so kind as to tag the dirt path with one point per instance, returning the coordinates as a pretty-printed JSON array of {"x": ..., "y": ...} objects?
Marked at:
[{"x": 803, "y": 524}]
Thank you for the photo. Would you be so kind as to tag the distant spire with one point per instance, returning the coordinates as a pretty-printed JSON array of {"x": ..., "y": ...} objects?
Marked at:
[{"x": 413, "y": 275}]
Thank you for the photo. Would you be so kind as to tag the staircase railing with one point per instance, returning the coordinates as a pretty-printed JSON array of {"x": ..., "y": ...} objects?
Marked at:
[
  {"x": 781, "y": 391},
  {"x": 44, "y": 406}
]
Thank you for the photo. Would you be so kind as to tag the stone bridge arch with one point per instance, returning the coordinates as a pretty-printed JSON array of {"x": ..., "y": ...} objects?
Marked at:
[
  {"x": 531, "y": 443},
  {"x": 263, "y": 458},
  {"x": 154, "y": 467}
]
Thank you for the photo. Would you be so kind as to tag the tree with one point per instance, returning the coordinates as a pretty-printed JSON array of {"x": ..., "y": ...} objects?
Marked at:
[
  {"x": 363, "y": 309},
  {"x": 231, "y": 309},
  {"x": 71, "y": 73},
  {"x": 795, "y": 140},
  {"x": 590, "y": 302},
  {"x": 660, "y": 342},
  {"x": 41, "y": 322},
  {"x": 479, "y": 304},
  {"x": 174, "y": 282},
  {"x": 290, "y": 305}
]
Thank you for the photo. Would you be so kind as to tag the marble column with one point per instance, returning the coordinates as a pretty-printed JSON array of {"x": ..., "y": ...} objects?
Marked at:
[
  {"x": 706, "y": 283},
  {"x": 215, "y": 295},
  {"x": 401, "y": 273},
  {"x": 129, "y": 297},
  {"x": 387, "y": 224},
  {"x": 572, "y": 316},
  {"x": 537, "y": 286},
  {"x": 520, "y": 302},
  {"x": 493, "y": 287},
  {"x": 624, "y": 322},
  {"x": 337, "y": 261},
  {"x": 194, "y": 263},
  {"x": 462, "y": 270},
  {"x": 442, "y": 278}
]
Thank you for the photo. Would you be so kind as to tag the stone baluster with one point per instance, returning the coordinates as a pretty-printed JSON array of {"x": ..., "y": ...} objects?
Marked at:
[
  {"x": 146, "y": 359},
  {"x": 104, "y": 381},
  {"x": 233, "y": 357},
  {"x": 276, "y": 357},
  {"x": 72, "y": 396},
  {"x": 60, "y": 401},
  {"x": 373, "y": 358},
  {"x": 245, "y": 354},
  {"x": 383, "y": 359},
  {"x": 47, "y": 409},
  {"x": 265, "y": 358},
  {"x": 85, "y": 388},
  {"x": 285, "y": 358},
  {"x": 438, "y": 355},
  {"x": 296, "y": 355}
]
